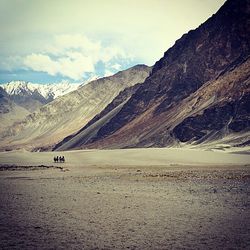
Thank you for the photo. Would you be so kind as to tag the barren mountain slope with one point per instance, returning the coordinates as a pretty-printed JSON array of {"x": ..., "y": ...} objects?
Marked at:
[
  {"x": 9, "y": 111},
  {"x": 67, "y": 114},
  {"x": 147, "y": 130},
  {"x": 88, "y": 133},
  {"x": 208, "y": 62},
  {"x": 32, "y": 96}
]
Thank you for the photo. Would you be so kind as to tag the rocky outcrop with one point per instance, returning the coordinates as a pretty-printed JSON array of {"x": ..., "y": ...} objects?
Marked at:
[{"x": 234, "y": 116}]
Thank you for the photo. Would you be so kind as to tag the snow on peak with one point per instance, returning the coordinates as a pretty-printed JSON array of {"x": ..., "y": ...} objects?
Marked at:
[
  {"x": 90, "y": 79},
  {"x": 46, "y": 90}
]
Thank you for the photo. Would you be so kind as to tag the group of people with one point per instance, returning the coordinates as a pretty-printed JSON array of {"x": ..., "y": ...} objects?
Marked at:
[{"x": 59, "y": 159}]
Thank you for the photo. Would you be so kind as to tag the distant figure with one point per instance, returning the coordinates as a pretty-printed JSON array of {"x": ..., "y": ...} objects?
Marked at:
[
  {"x": 61, "y": 159},
  {"x": 56, "y": 159}
]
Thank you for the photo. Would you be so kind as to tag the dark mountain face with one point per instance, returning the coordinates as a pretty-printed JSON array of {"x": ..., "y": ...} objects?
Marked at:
[
  {"x": 218, "y": 49},
  {"x": 199, "y": 56},
  {"x": 234, "y": 116}
]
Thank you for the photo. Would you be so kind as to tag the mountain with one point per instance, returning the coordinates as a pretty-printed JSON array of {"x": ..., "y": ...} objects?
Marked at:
[
  {"x": 197, "y": 93},
  {"x": 31, "y": 96},
  {"x": 5, "y": 103},
  {"x": 90, "y": 131},
  {"x": 9, "y": 111},
  {"x": 67, "y": 114}
]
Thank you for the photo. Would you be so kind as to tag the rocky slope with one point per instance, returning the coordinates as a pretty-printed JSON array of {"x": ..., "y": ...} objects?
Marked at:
[
  {"x": 9, "y": 111},
  {"x": 5, "y": 102},
  {"x": 67, "y": 114},
  {"x": 197, "y": 93},
  {"x": 31, "y": 96},
  {"x": 90, "y": 132}
]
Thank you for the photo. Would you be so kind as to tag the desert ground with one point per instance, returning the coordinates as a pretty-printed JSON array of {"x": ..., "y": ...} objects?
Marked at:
[{"x": 125, "y": 199}]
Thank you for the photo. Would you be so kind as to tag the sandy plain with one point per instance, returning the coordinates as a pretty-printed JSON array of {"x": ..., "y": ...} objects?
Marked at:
[{"x": 125, "y": 199}]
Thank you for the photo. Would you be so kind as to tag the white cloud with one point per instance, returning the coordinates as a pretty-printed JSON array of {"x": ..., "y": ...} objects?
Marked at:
[
  {"x": 74, "y": 66},
  {"x": 48, "y": 32},
  {"x": 71, "y": 42},
  {"x": 116, "y": 66},
  {"x": 73, "y": 56},
  {"x": 40, "y": 62}
]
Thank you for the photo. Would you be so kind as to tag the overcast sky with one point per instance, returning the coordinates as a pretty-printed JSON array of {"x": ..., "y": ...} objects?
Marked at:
[{"x": 52, "y": 40}]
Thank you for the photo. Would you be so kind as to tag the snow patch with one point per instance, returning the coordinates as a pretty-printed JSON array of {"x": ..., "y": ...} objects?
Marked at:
[{"x": 46, "y": 90}]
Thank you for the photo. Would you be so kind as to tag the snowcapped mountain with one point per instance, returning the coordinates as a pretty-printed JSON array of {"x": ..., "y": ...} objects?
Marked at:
[
  {"x": 31, "y": 96},
  {"x": 48, "y": 91},
  {"x": 67, "y": 114}
]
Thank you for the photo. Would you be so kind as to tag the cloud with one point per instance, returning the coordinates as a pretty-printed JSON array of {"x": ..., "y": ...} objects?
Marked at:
[
  {"x": 73, "y": 56},
  {"x": 74, "y": 66},
  {"x": 10, "y": 63},
  {"x": 116, "y": 66},
  {"x": 40, "y": 62},
  {"x": 36, "y": 33},
  {"x": 73, "y": 42}
]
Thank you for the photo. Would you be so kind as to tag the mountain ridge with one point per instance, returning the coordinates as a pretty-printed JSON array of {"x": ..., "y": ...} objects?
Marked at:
[
  {"x": 68, "y": 113},
  {"x": 31, "y": 96},
  {"x": 196, "y": 63}
]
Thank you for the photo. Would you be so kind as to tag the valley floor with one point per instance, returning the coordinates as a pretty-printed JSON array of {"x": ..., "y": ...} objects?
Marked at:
[{"x": 125, "y": 199}]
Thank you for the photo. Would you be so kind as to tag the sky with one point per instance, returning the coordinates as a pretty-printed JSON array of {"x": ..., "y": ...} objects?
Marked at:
[{"x": 53, "y": 40}]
